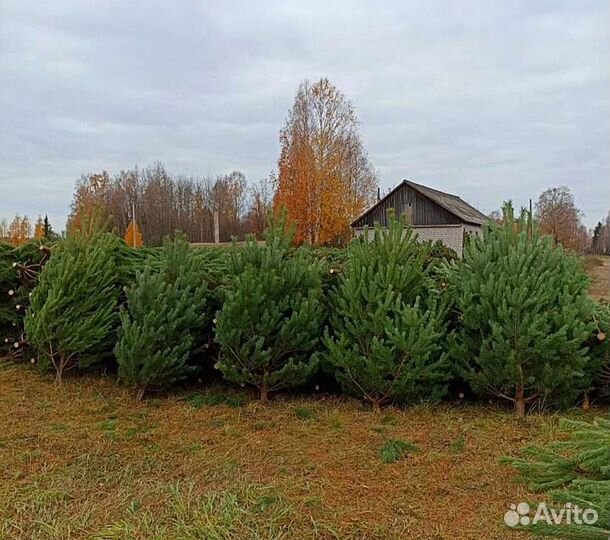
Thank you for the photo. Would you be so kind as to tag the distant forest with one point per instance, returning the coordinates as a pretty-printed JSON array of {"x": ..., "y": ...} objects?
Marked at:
[
  {"x": 323, "y": 179},
  {"x": 164, "y": 203}
]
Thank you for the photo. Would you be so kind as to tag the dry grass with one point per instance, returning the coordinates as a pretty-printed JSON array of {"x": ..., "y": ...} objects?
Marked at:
[
  {"x": 598, "y": 269},
  {"x": 86, "y": 461}
]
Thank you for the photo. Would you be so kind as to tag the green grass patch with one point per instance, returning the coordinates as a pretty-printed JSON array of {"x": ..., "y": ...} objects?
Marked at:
[
  {"x": 458, "y": 445},
  {"x": 109, "y": 425},
  {"x": 335, "y": 423},
  {"x": 304, "y": 413},
  {"x": 389, "y": 420},
  {"x": 193, "y": 448},
  {"x": 393, "y": 450},
  {"x": 58, "y": 428},
  {"x": 245, "y": 512}
]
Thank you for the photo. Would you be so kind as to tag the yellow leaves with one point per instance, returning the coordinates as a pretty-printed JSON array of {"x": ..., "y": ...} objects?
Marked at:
[
  {"x": 133, "y": 236},
  {"x": 88, "y": 206},
  {"x": 20, "y": 230},
  {"x": 39, "y": 229},
  {"x": 325, "y": 178}
]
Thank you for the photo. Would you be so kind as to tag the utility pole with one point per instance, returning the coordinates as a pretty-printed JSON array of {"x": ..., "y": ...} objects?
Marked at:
[
  {"x": 216, "y": 226},
  {"x": 133, "y": 221}
]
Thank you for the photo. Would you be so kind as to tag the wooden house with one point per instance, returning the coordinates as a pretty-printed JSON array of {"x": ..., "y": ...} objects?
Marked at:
[{"x": 434, "y": 215}]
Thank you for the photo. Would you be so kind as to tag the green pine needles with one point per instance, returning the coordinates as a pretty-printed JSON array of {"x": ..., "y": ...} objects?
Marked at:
[
  {"x": 524, "y": 316},
  {"x": 599, "y": 351},
  {"x": 575, "y": 471},
  {"x": 163, "y": 322},
  {"x": 387, "y": 321},
  {"x": 390, "y": 318},
  {"x": 270, "y": 323},
  {"x": 73, "y": 314},
  {"x": 19, "y": 270}
]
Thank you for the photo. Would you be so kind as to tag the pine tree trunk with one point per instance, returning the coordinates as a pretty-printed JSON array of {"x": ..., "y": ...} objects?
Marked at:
[
  {"x": 264, "y": 392},
  {"x": 140, "y": 393},
  {"x": 520, "y": 402},
  {"x": 586, "y": 402},
  {"x": 376, "y": 405},
  {"x": 265, "y": 387},
  {"x": 59, "y": 369}
]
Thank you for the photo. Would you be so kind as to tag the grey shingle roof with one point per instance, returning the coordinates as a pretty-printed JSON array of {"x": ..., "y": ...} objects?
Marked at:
[{"x": 451, "y": 203}]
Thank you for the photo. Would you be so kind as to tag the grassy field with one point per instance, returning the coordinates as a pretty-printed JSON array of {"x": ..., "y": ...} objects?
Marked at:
[
  {"x": 598, "y": 269},
  {"x": 86, "y": 461}
]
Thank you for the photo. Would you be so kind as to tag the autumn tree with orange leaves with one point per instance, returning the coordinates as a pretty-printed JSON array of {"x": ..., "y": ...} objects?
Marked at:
[
  {"x": 325, "y": 179},
  {"x": 39, "y": 229},
  {"x": 90, "y": 201},
  {"x": 559, "y": 217},
  {"x": 20, "y": 230},
  {"x": 133, "y": 236}
]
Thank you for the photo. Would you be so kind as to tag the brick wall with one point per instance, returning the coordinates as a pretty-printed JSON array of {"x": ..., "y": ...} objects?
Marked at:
[{"x": 450, "y": 235}]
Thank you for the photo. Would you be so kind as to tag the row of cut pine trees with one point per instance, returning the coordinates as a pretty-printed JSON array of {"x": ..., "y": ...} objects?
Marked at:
[{"x": 389, "y": 322}]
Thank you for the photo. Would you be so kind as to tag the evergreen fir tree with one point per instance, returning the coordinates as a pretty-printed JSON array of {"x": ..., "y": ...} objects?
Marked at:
[
  {"x": 598, "y": 374},
  {"x": 269, "y": 326},
  {"x": 46, "y": 227},
  {"x": 48, "y": 233},
  {"x": 387, "y": 321},
  {"x": 524, "y": 316},
  {"x": 163, "y": 321},
  {"x": 575, "y": 471},
  {"x": 73, "y": 314},
  {"x": 19, "y": 270},
  {"x": 9, "y": 286}
]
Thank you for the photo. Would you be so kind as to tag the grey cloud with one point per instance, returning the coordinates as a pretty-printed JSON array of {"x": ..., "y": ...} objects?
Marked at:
[{"x": 491, "y": 100}]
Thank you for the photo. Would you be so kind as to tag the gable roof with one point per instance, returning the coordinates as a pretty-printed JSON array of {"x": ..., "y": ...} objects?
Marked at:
[{"x": 452, "y": 203}]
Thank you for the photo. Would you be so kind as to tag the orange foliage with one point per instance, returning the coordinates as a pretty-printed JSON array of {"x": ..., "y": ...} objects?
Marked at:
[
  {"x": 558, "y": 216},
  {"x": 19, "y": 231},
  {"x": 89, "y": 201},
  {"x": 133, "y": 236},
  {"x": 325, "y": 178},
  {"x": 39, "y": 229}
]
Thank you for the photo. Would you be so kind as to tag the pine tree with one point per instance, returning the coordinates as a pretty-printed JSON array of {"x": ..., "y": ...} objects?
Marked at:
[
  {"x": 10, "y": 316},
  {"x": 524, "y": 316},
  {"x": 269, "y": 326},
  {"x": 73, "y": 316},
  {"x": 133, "y": 236},
  {"x": 46, "y": 227},
  {"x": 575, "y": 471},
  {"x": 387, "y": 321},
  {"x": 163, "y": 322},
  {"x": 19, "y": 270},
  {"x": 598, "y": 374}
]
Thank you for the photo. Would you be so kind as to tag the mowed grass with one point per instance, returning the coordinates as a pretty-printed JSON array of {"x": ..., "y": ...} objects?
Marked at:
[
  {"x": 85, "y": 460},
  {"x": 598, "y": 269}
]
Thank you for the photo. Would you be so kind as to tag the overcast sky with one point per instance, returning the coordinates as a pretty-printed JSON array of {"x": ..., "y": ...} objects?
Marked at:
[{"x": 486, "y": 99}]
